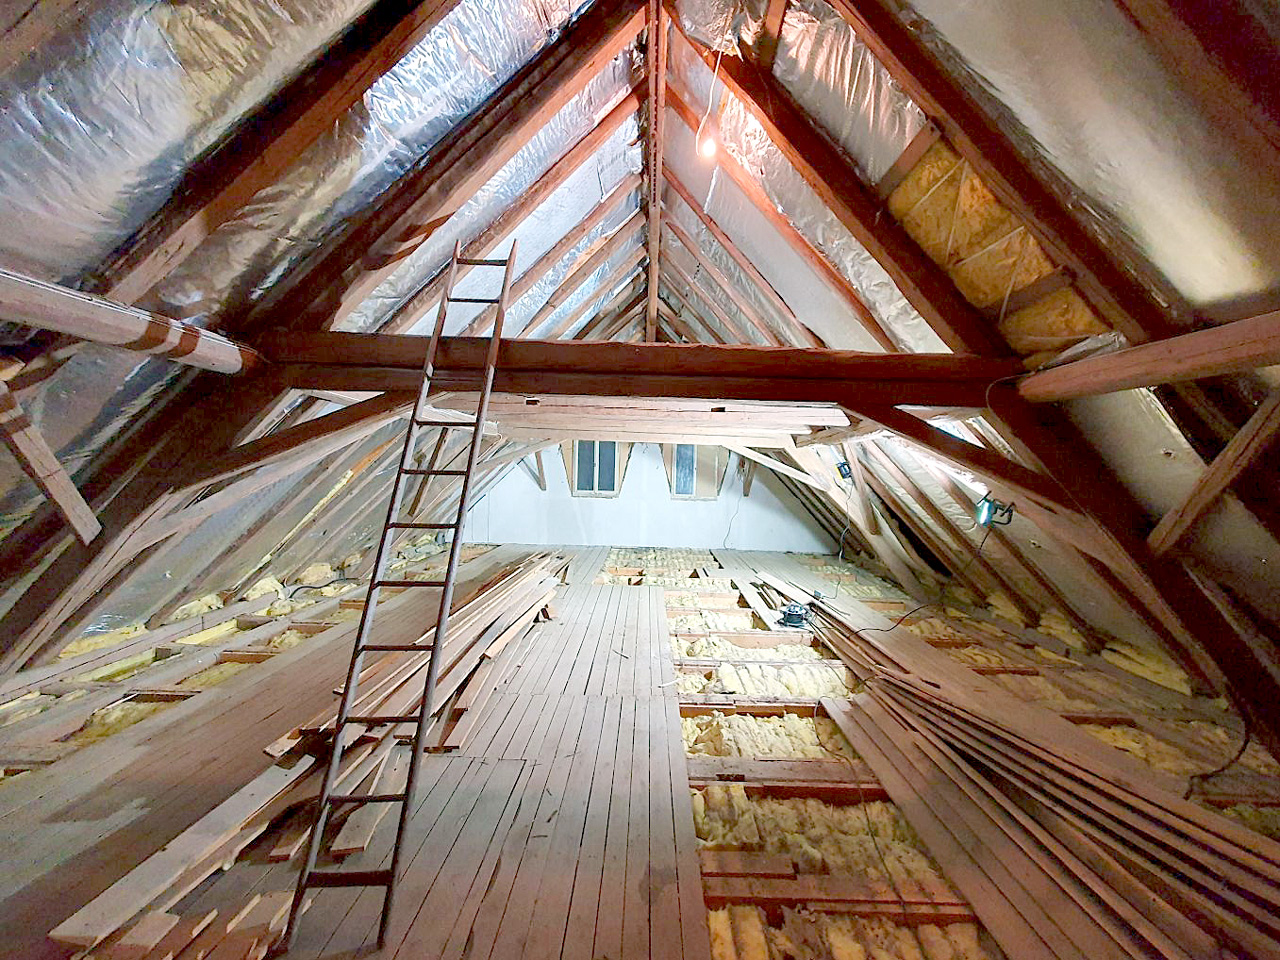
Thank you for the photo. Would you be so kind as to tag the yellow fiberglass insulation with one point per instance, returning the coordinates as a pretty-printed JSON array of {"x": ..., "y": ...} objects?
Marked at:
[
  {"x": 263, "y": 587},
  {"x": 710, "y": 621},
  {"x": 1150, "y": 750},
  {"x": 804, "y": 681},
  {"x": 977, "y": 656},
  {"x": 1056, "y": 625},
  {"x": 701, "y": 601},
  {"x": 691, "y": 682},
  {"x": 717, "y": 648},
  {"x": 788, "y": 736},
  {"x": 805, "y": 935},
  {"x": 100, "y": 641},
  {"x": 212, "y": 676},
  {"x": 859, "y": 839},
  {"x": 1111, "y": 689},
  {"x": 1263, "y": 820},
  {"x": 944, "y": 205},
  {"x": 689, "y": 584},
  {"x": 1147, "y": 663},
  {"x": 119, "y": 716},
  {"x": 1003, "y": 607},
  {"x": 933, "y": 628},
  {"x": 1038, "y": 689},
  {"x": 1224, "y": 743},
  {"x": 1051, "y": 324}
]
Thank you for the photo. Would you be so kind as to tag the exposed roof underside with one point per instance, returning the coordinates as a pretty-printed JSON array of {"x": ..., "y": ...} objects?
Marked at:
[{"x": 1027, "y": 185}]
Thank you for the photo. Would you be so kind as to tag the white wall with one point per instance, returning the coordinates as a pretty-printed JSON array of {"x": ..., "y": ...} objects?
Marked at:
[{"x": 644, "y": 514}]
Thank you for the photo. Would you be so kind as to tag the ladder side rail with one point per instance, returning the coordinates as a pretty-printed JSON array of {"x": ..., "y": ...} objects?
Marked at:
[
  {"x": 427, "y": 704},
  {"x": 349, "y": 693}
]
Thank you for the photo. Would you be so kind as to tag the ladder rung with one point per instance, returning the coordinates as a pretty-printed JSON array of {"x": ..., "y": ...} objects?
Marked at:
[
  {"x": 471, "y": 300},
  {"x": 409, "y": 583},
  {"x": 377, "y": 720},
  {"x": 461, "y": 424},
  {"x": 406, "y": 525},
  {"x": 396, "y": 647},
  {"x": 477, "y": 262},
  {"x": 415, "y": 472},
  {"x": 368, "y": 798},
  {"x": 350, "y": 878}
]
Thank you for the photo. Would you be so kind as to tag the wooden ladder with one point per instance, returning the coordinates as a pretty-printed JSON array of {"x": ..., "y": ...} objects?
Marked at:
[{"x": 311, "y": 877}]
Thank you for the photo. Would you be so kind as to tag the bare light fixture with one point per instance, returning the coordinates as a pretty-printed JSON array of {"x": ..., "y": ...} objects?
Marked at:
[{"x": 992, "y": 512}]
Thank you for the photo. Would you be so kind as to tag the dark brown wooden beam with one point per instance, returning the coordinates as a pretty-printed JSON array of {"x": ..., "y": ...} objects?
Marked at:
[
  {"x": 833, "y": 178},
  {"x": 413, "y": 309},
  {"x": 1230, "y": 348},
  {"x": 1117, "y": 294},
  {"x": 767, "y": 43},
  {"x": 266, "y": 143},
  {"x": 656, "y": 68},
  {"x": 351, "y": 263}
]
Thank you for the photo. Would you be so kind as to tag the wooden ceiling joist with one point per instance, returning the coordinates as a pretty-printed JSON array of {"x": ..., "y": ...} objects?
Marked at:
[
  {"x": 266, "y": 144},
  {"x": 382, "y": 362},
  {"x": 344, "y": 270}
]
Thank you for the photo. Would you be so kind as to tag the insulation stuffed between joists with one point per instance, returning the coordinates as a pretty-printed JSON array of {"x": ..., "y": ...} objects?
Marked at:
[
  {"x": 742, "y": 932},
  {"x": 803, "y": 681},
  {"x": 718, "y": 648},
  {"x": 789, "y": 736}
]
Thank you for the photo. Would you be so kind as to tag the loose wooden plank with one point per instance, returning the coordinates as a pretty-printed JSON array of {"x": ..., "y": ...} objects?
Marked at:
[
  {"x": 183, "y": 932},
  {"x": 745, "y": 863}
]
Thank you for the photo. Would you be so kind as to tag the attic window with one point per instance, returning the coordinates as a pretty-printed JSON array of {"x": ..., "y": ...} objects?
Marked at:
[
  {"x": 684, "y": 475},
  {"x": 595, "y": 468}
]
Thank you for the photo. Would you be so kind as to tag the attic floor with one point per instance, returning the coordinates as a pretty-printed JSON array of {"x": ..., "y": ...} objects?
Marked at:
[{"x": 549, "y": 834}]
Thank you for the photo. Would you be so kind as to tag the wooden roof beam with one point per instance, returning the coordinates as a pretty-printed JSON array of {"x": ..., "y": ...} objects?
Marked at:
[
  {"x": 735, "y": 296},
  {"x": 811, "y": 255},
  {"x": 833, "y": 178},
  {"x": 656, "y": 56},
  {"x": 266, "y": 143},
  {"x": 1230, "y": 348},
  {"x": 480, "y": 247},
  {"x": 713, "y": 335},
  {"x": 562, "y": 248},
  {"x": 49, "y": 306},
  {"x": 1118, "y": 295},
  {"x": 599, "y": 256},
  {"x": 730, "y": 325},
  {"x": 624, "y": 271},
  {"x": 805, "y": 336},
  {"x": 346, "y": 269},
  {"x": 41, "y": 464}
]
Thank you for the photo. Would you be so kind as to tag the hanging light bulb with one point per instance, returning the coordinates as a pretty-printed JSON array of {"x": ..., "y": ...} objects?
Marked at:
[{"x": 708, "y": 138}]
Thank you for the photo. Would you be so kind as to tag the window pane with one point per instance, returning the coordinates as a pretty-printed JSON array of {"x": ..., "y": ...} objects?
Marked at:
[
  {"x": 686, "y": 458},
  {"x": 586, "y": 471},
  {"x": 608, "y": 464}
]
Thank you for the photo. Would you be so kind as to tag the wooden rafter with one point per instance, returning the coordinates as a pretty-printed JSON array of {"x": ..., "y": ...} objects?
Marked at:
[
  {"x": 343, "y": 271},
  {"x": 266, "y": 144},
  {"x": 602, "y": 253},
  {"x": 1119, "y": 295},
  {"x": 767, "y": 43},
  {"x": 830, "y": 175},
  {"x": 1230, "y": 348},
  {"x": 804, "y": 335},
  {"x": 624, "y": 272},
  {"x": 418, "y": 305},
  {"x": 657, "y": 76},
  {"x": 730, "y": 325},
  {"x": 1253, "y": 439},
  {"x": 84, "y": 316},
  {"x": 562, "y": 248},
  {"x": 736, "y": 297},
  {"x": 41, "y": 464},
  {"x": 755, "y": 194},
  {"x": 712, "y": 334}
]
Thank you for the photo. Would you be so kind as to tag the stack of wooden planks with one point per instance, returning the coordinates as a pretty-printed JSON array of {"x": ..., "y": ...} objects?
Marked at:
[{"x": 488, "y": 629}]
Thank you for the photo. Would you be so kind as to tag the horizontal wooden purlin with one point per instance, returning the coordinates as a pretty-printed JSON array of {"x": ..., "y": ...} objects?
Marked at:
[
  {"x": 835, "y": 390},
  {"x": 1231, "y": 348},
  {"x": 467, "y": 353}
]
